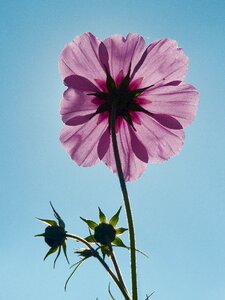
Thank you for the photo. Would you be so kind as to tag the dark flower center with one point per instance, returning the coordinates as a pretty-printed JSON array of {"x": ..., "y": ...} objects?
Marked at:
[
  {"x": 121, "y": 97},
  {"x": 104, "y": 234}
]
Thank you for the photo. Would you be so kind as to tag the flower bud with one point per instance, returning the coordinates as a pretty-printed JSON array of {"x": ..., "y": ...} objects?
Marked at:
[
  {"x": 104, "y": 234},
  {"x": 54, "y": 236}
]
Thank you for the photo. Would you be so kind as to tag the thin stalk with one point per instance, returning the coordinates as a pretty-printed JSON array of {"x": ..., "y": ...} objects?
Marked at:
[
  {"x": 104, "y": 264},
  {"x": 126, "y": 203},
  {"x": 117, "y": 269}
]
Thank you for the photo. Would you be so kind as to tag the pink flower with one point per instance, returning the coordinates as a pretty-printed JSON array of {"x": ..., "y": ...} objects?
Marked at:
[{"x": 153, "y": 103}]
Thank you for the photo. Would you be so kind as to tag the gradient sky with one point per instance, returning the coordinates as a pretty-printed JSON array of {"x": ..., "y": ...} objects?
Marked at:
[{"x": 178, "y": 206}]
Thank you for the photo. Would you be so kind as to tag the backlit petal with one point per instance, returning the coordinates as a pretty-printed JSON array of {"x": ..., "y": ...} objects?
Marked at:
[
  {"x": 123, "y": 52},
  {"x": 81, "y": 141},
  {"x": 80, "y": 57},
  {"x": 76, "y": 107},
  {"x": 164, "y": 62},
  {"x": 177, "y": 101},
  {"x": 161, "y": 143}
]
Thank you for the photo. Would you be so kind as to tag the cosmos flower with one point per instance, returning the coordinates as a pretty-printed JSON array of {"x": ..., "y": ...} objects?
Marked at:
[{"x": 153, "y": 104}]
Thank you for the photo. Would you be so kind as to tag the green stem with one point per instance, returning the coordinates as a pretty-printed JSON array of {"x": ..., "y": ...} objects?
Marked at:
[
  {"x": 117, "y": 269},
  {"x": 104, "y": 264},
  {"x": 126, "y": 202}
]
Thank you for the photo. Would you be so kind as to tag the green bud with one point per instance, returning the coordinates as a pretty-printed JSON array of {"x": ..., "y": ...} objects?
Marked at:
[
  {"x": 104, "y": 233},
  {"x": 54, "y": 236}
]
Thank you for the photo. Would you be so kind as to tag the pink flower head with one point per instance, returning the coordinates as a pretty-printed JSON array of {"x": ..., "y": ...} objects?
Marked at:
[{"x": 153, "y": 104}]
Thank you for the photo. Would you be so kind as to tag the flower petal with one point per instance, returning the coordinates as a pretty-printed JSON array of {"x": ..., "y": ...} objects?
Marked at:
[
  {"x": 132, "y": 166},
  {"x": 80, "y": 57},
  {"x": 81, "y": 141},
  {"x": 76, "y": 107},
  {"x": 163, "y": 61},
  {"x": 160, "y": 142},
  {"x": 179, "y": 102},
  {"x": 123, "y": 52}
]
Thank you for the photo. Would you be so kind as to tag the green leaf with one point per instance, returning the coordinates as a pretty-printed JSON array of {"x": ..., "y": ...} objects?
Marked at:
[
  {"x": 148, "y": 296},
  {"x": 114, "y": 220},
  {"x": 49, "y": 222},
  {"x": 57, "y": 256},
  {"x": 77, "y": 266},
  {"x": 102, "y": 217},
  {"x": 90, "y": 239},
  {"x": 139, "y": 251},
  {"x": 41, "y": 234},
  {"x": 105, "y": 251},
  {"x": 64, "y": 250},
  {"x": 51, "y": 251},
  {"x": 119, "y": 243},
  {"x": 91, "y": 224},
  {"x": 60, "y": 221},
  {"x": 110, "y": 292},
  {"x": 121, "y": 230}
]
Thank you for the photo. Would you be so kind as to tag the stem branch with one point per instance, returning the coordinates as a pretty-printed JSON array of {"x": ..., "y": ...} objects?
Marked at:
[
  {"x": 117, "y": 269},
  {"x": 104, "y": 264}
]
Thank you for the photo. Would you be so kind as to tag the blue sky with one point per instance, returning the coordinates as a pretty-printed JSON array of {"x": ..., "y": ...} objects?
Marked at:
[{"x": 178, "y": 206}]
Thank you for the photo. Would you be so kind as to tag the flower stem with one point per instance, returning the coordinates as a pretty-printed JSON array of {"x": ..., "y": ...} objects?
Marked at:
[
  {"x": 126, "y": 202},
  {"x": 104, "y": 264},
  {"x": 117, "y": 269}
]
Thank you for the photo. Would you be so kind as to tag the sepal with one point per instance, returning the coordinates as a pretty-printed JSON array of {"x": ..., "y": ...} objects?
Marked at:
[{"x": 114, "y": 220}]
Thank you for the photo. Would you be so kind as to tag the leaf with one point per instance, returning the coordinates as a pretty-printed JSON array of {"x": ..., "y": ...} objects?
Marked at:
[
  {"x": 139, "y": 251},
  {"x": 60, "y": 221},
  {"x": 102, "y": 217},
  {"x": 114, "y": 220},
  {"x": 110, "y": 292},
  {"x": 121, "y": 230},
  {"x": 105, "y": 251},
  {"x": 52, "y": 250},
  {"x": 91, "y": 224},
  {"x": 57, "y": 256},
  {"x": 90, "y": 239},
  {"x": 64, "y": 250},
  {"x": 49, "y": 222},
  {"x": 148, "y": 296},
  {"x": 77, "y": 266},
  {"x": 119, "y": 243},
  {"x": 41, "y": 234}
]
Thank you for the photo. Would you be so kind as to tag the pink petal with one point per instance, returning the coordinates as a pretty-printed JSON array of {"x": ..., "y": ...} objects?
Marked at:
[
  {"x": 76, "y": 107},
  {"x": 179, "y": 102},
  {"x": 123, "y": 52},
  {"x": 81, "y": 141},
  {"x": 81, "y": 57},
  {"x": 164, "y": 62},
  {"x": 160, "y": 142},
  {"x": 132, "y": 166}
]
